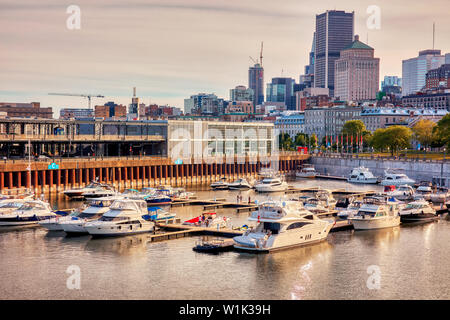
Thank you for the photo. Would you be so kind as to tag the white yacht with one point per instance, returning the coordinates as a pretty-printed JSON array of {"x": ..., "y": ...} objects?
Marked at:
[
  {"x": 240, "y": 184},
  {"x": 29, "y": 213},
  {"x": 423, "y": 192},
  {"x": 394, "y": 177},
  {"x": 75, "y": 224},
  {"x": 271, "y": 184},
  {"x": 376, "y": 213},
  {"x": 77, "y": 193},
  {"x": 281, "y": 225},
  {"x": 307, "y": 171},
  {"x": 326, "y": 196},
  {"x": 10, "y": 204},
  {"x": 440, "y": 196},
  {"x": 362, "y": 175},
  {"x": 102, "y": 190},
  {"x": 124, "y": 217},
  {"x": 222, "y": 184},
  {"x": 351, "y": 210},
  {"x": 403, "y": 192},
  {"x": 315, "y": 205},
  {"x": 418, "y": 211}
]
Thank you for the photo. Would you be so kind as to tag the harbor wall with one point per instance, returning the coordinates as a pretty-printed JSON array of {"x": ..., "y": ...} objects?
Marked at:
[{"x": 419, "y": 170}]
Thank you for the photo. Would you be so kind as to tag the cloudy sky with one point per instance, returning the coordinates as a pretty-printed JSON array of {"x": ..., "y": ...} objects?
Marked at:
[{"x": 170, "y": 49}]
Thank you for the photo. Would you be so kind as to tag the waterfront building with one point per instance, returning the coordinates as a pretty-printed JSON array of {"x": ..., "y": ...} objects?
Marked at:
[
  {"x": 438, "y": 78},
  {"x": 256, "y": 83},
  {"x": 290, "y": 122},
  {"x": 315, "y": 121},
  {"x": 356, "y": 73},
  {"x": 433, "y": 100},
  {"x": 75, "y": 113},
  {"x": 335, "y": 117},
  {"x": 334, "y": 32},
  {"x": 26, "y": 110},
  {"x": 241, "y": 93},
  {"x": 414, "y": 70},
  {"x": 281, "y": 90}
]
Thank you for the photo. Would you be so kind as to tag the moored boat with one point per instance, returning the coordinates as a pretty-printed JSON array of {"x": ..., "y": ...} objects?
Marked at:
[
  {"x": 418, "y": 212},
  {"x": 31, "y": 212},
  {"x": 362, "y": 175},
  {"x": 376, "y": 213}
]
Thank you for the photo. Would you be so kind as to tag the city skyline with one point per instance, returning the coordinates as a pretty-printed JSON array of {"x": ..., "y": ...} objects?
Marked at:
[{"x": 168, "y": 55}]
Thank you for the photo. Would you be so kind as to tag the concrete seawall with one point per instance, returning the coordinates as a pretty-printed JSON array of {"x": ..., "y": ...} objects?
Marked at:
[{"x": 418, "y": 170}]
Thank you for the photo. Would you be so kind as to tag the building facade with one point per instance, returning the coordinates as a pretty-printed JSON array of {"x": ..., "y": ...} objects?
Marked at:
[
  {"x": 291, "y": 123},
  {"x": 439, "y": 100},
  {"x": 438, "y": 78},
  {"x": 281, "y": 90},
  {"x": 26, "y": 110},
  {"x": 75, "y": 113},
  {"x": 241, "y": 93},
  {"x": 335, "y": 118},
  {"x": 334, "y": 32},
  {"x": 357, "y": 73},
  {"x": 256, "y": 83},
  {"x": 414, "y": 70}
]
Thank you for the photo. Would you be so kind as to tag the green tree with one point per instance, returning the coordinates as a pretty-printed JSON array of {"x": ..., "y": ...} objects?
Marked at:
[
  {"x": 301, "y": 140},
  {"x": 423, "y": 132},
  {"x": 313, "y": 140},
  {"x": 285, "y": 142},
  {"x": 442, "y": 131},
  {"x": 354, "y": 127},
  {"x": 395, "y": 138}
]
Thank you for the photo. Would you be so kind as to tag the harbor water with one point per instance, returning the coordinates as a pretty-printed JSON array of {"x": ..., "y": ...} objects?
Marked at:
[{"x": 406, "y": 262}]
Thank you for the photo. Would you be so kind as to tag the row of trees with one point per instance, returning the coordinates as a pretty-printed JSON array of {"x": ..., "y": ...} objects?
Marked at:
[{"x": 392, "y": 139}]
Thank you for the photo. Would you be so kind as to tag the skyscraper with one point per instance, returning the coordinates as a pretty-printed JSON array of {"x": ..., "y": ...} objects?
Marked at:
[
  {"x": 334, "y": 32},
  {"x": 281, "y": 90},
  {"x": 307, "y": 79},
  {"x": 357, "y": 73},
  {"x": 414, "y": 70},
  {"x": 256, "y": 83}
]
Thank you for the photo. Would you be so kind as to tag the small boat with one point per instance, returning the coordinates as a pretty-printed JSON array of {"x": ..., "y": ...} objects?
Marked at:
[
  {"x": 239, "y": 184},
  {"x": 351, "y": 210},
  {"x": 403, "y": 192},
  {"x": 77, "y": 193},
  {"x": 394, "y": 177},
  {"x": 100, "y": 191},
  {"x": 158, "y": 214},
  {"x": 75, "y": 224},
  {"x": 423, "y": 192},
  {"x": 418, "y": 211},
  {"x": 271, "y": 184},
  {"x": 440, "y": 196},
  {"x": 282, "y": 225},
  {"x": 315, "y": 205},
  {"x": 208, "y": 220},
  {"x": 8, "y": 205},
  {"x": 220, "y": 185},
  {"x": 124, "y": 217},
  {"x": 307, "y": 171},
  {"x": 362, "y": 175},
  {"x": 376, "y": 213},
  {"x": 31, "y": 212},
  {"x": 214, "y": 246},
  {"x": 326, "y": 196}
]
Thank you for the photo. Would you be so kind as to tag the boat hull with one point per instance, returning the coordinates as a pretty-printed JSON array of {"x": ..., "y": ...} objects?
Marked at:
[
  {"x": 369, "y": 224},
  {"x": 366, "y": 181},
  {"x": 418, "y": 218}
]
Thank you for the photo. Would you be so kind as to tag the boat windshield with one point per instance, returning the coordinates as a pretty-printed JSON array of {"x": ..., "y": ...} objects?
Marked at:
[
  {"x": 414, "y": 206},
  {"x": 105, "y": 218},
  {"x": 101, "y": 203},
  {"x": 13, "y": 205},
  {"x": 32, "y": 206}
]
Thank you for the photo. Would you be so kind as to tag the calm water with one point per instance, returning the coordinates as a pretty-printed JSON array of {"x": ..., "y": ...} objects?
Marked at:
[{"x": 413, "y": 261}]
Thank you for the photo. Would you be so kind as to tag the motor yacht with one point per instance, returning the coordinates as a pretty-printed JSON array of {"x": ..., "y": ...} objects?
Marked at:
[
  {"x": 102, "y": 190},
  {"x": 441, "y": 195},
  {"x": 282, "y": 225},
  {"x": 77, "y": 193},
  {"x": 10, "y": 204},
  {"x": 351, "y": 210},
  {"x": 239, "y": 184},
  {"x": 124, "y": 217},
  {"x": 418, "y": 211},
  {"x": 423, "y": 192},
  {"x": 75, "y": 224},
  {"x": 403, "y": 192},
  {"x": 394, "y": 177},
  {"x": 30, "y": 212},
  {"x": 326, "y": 196},
  {"x": 376, "y": 213},
  {"x": 362, "y": 175},
  {"x": 271, "y": 184},
  {"x": 315, "y": 205},
  {"x": 222, "y": 184},
  {"x": 307, "y": 171}
]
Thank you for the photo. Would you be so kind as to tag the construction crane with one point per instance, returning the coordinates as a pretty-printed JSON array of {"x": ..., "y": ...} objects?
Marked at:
[
  {"x": 88, "y": 96},
  {"x": 260, "y": 53}
]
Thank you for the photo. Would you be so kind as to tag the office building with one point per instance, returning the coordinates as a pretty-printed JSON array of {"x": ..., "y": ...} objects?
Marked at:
[
  {"x": 75, "y": 113},
  {"x": 438, "y": 78},
  {"x": 281, "y": 90},
  {"x": 26, "y": 110},
  {"x": 256, "y": 83},
  {"x": 241, "y": 93}
]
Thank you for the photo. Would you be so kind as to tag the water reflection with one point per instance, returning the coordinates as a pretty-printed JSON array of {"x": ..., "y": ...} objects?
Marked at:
[{"x": 127, "y": 245}]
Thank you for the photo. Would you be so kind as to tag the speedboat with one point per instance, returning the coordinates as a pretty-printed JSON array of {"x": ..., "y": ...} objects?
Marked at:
[
  {"x": 124, "y": 217},
  {"x": 423, "y": 192},
  {"x": 158, "y": 214},
  {"x": 77, "y": 193},
  {"x": 307, "y": 171},
  {"x": 326, "y": 196},
  {"x": 102, "y": 190},
  {"x": 418, "y": 211},
  {"x": 376, "y": 213},
  {"x": 315, "y": 205},
  {"x": 31, "y": 212},
  {"x": 75, "y": 224},
  {"x": 222, "y": 184},
  {"x": 351, "y": 210},
  {"x": 10, "y": 204},
  {"x": 239, "y": 184},
  {"x": 271, "y": 184},
  {"x": 394, "y": 177},
  {"x": 362, "y": 175},
  {"x": 403, "y": 192},
  {"x": 440, "y": 196},
  {"x": 282, "y": 225},
  {"x": 208, "y": 220}
]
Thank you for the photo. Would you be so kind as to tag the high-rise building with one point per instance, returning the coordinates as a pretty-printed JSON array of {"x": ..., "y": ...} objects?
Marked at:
[
  {"x": 204, "y": 103},
  {"x": 391, "y": 81},
  {"x": 334, "y": 32},
  {"x": 241, "y": 93},
  {"x": 438, "y": 78},
  {"x": 356, "y": 76},
  {"x": 414, "y": 70},
  {"x": 256, "y": 83},
  {"x": 281, "y": 90},
  {"x": 134, "y": 106},
  {"x": 307, "y": 79}
]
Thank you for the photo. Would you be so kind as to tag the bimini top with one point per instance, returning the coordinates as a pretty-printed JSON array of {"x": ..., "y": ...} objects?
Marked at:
[
  {"x": 127, "y": 207},
  {"x": 270, "y": 211}
]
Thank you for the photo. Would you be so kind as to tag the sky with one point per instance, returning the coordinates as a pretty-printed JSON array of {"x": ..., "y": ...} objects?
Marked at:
[{"x": 171, "y": 49}]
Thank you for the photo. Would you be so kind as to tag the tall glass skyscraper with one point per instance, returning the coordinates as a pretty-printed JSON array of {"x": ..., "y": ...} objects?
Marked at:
[
  {"x": 256, "y": 83},
  {"x": 281, "y": 90},
  {"x": 334, "y": 32}
]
